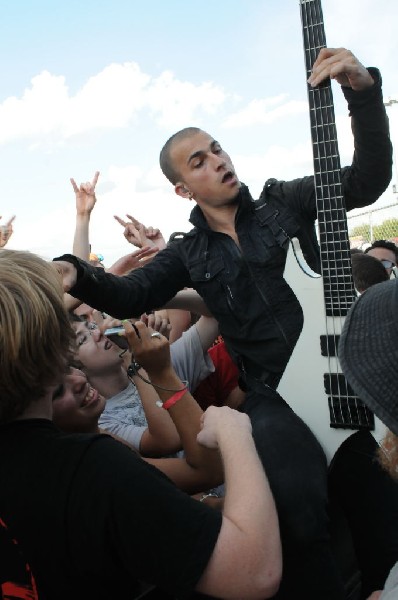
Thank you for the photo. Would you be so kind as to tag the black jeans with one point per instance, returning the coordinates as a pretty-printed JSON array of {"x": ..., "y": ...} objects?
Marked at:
[{"x": 297, "y": 472}]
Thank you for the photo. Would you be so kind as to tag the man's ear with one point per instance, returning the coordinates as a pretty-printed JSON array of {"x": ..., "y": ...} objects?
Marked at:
[{"x": 182, "y": 191}]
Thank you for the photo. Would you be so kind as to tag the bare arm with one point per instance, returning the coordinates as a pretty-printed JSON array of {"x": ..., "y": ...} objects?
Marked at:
[
  {"x": 85, "y": 202},
  {"x": 246, "y": 561},
  {"x": 207, "y": 328},
  {"x": 189, "y": 300},
  {"x": 248, "y": 550},
  {"x": 161, "y": 436}
]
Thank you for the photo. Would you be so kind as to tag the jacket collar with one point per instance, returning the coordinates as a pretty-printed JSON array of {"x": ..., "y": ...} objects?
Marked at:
[{"x": 245, "y": 202}]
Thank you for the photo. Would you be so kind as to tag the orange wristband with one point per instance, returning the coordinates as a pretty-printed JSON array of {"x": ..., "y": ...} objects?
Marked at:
[{"x": 175, "y": 398}]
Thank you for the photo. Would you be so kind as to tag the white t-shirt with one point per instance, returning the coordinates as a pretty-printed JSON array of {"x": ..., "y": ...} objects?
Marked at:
[{"x": 124, "y": 415}]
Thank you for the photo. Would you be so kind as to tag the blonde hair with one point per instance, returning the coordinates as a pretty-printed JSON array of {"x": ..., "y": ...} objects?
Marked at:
[{"x": 35, "y": 335}]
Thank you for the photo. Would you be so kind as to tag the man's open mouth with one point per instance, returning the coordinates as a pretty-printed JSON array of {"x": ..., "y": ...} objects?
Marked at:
[{"x": 229, "y": 175}]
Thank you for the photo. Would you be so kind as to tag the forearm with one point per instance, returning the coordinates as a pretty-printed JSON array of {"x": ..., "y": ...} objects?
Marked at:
[
  {"x": 207, "y": 328},
  {"x": 189, "y": 300},
  {"x": 249, "y": 536},
  {"x": 186, "y": 415},
  {"x": 248, "y": 500},
  {"x": 81, "y": 244},
  {"x": 161, "y": 437}
]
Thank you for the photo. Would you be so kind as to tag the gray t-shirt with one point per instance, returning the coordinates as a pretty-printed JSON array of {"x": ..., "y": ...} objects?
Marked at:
[
  {"x": 391, "y": 586},
  {"x": 124, "y": 415}
]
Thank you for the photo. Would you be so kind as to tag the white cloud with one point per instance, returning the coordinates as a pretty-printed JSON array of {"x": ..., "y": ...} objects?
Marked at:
[
  {"x": 108, "y": 100},
  {"x": 176, "y": 101},
  {"x": 265, "y": 112},
  {"x": 111, "y": 99},
  {"x": 37, "y": 112}
]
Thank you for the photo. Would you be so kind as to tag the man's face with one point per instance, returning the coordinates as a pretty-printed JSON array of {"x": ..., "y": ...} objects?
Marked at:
[
  {"x": 76, "y": 405},
  {"x": 206, "y": 172},
  {"x": 95, "y": 351},
  {"x": 383, "y": 254}
]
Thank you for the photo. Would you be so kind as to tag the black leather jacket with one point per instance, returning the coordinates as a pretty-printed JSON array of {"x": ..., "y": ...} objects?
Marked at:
[{"x": 259, "y": 315}]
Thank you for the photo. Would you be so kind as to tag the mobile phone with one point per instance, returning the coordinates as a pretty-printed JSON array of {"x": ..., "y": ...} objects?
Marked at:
[{"x": 117, "y": 336}]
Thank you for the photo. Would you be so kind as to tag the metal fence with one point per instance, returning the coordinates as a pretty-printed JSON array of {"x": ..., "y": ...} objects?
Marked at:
[{"x": 373, "y": 224}]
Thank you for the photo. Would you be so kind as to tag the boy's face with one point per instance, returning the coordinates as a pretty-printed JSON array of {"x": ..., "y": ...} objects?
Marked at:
[
  {"x": 206, "y": 171},
  {"x": 96, "y": 352},
  {"x": 76, "y": 405}
]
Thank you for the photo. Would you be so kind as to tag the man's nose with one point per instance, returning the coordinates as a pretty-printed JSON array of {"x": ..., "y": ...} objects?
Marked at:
[{"x": 219, "y": 162}]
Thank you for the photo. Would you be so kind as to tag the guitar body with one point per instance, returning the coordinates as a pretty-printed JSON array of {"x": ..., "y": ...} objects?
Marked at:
[{"x": 303, "y": 384}]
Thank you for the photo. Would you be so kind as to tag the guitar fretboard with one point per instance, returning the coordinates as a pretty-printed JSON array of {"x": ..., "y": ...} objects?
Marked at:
[{"x": 333, "y": 231}]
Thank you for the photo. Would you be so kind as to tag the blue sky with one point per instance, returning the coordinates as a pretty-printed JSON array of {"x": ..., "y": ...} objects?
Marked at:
[{"x": 101, "y": 85}]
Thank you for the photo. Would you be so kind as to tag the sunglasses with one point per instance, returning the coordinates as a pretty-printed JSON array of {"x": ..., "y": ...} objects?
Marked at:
[{"x": 388, "y": 264}]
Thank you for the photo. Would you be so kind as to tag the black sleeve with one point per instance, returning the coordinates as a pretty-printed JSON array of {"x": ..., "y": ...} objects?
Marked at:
[
  {"x": 371, "y": 169},
  {"x": 153, "y": 531},
  {"x": 129, "y": 296}
]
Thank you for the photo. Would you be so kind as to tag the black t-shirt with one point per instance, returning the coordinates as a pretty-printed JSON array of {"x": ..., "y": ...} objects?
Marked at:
[{"x": 92, "y": 518}]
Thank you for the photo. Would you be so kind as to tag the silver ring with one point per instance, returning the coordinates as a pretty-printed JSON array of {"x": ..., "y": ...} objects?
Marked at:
[{"x": 156, "y": 334}]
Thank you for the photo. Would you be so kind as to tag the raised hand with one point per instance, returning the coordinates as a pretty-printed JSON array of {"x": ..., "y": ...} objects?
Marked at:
[
  {"x": 85, "y": 195},
  {"x": 340, "y": 64},
  {"x": 137, "y": 234},
  {"x": 158, "y": 323},
  {"x": 6, "y": 232},
  {"x": 134, "y": 260},
  {"x": 151, "y": 352}
]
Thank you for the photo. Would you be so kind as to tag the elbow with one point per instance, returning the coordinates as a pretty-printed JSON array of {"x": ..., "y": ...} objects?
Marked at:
[{"x": 266, "y": 584}]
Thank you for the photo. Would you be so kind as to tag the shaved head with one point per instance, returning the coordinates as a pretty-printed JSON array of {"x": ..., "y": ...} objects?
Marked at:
[{"x": 165, "y": 159}]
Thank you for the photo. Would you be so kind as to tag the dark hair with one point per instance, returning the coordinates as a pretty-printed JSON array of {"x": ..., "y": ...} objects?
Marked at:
[
  {"x": 73, "y": 358},
  {"x": 384, "y": 244},
  {"x": 164, "y": 157},
  {"x": 367, "y": 271}
]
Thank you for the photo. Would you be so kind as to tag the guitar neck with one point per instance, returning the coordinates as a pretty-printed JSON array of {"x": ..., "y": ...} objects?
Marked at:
[{"x": 334, "y": 243}]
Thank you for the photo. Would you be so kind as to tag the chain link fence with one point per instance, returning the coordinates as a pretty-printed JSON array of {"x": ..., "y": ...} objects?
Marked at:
[{"x": 373, "y": 224}]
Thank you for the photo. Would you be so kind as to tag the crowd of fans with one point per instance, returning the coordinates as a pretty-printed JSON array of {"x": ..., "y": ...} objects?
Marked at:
[{"x": 100, "y": 393}]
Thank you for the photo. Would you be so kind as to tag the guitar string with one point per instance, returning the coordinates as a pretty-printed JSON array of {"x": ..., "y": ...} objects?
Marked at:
[
  {"x": 338, "y": 288},
  {"x": 328, "y": 149},
  {"x": 310, "y": 59}
]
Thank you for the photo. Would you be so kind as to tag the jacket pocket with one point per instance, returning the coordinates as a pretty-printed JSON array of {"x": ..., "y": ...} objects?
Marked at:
[{"x": 210, "y": 279}]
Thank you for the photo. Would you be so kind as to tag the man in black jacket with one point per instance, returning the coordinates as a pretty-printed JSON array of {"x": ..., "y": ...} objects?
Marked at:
[{"x": 235, "y": 258}]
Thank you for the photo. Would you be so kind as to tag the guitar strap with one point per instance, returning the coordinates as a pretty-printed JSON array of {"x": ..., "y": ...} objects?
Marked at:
[{"x": 281, "y": 223}]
